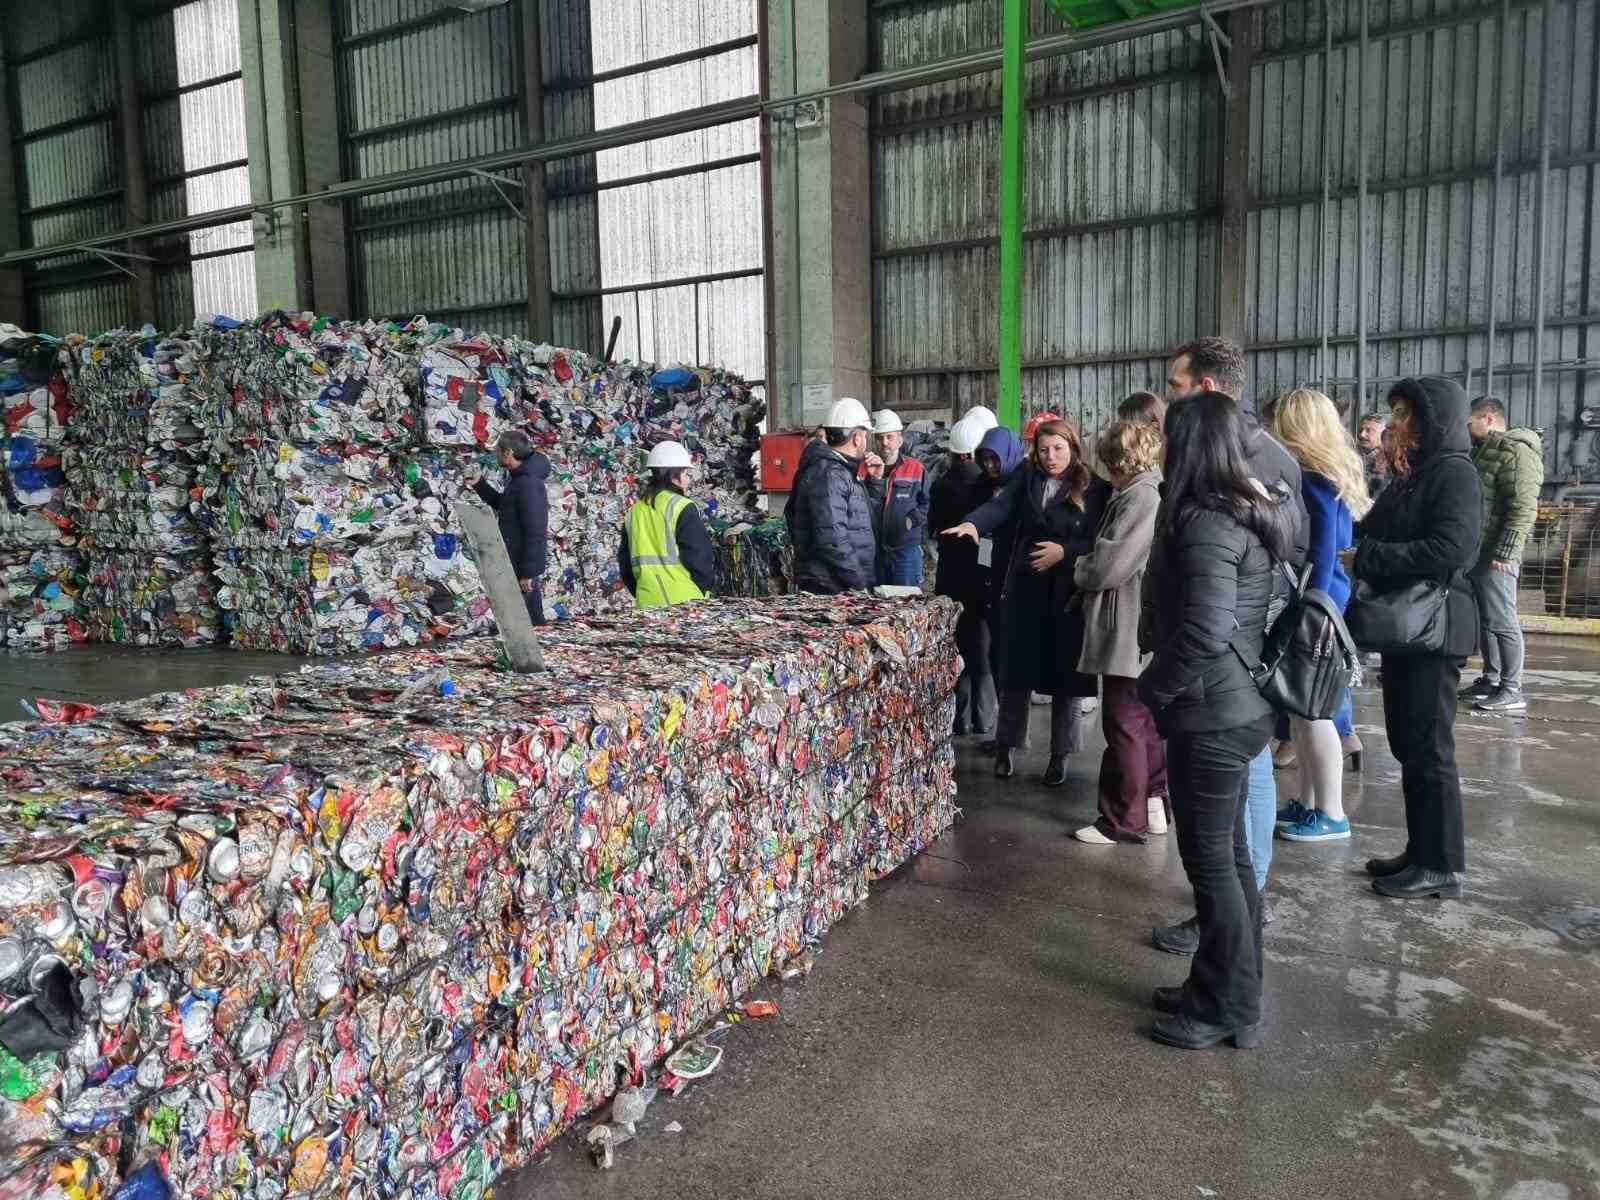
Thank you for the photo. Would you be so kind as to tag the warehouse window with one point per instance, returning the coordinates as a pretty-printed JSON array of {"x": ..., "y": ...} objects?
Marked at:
[
  {"x": 681, "y": 244},
  {"x": 214, "y": 171}
]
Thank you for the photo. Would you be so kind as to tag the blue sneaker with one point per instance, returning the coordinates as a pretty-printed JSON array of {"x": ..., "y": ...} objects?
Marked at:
[
  {"x": 1294, "y": 813},
  {"x": 1319, "y": 827}
]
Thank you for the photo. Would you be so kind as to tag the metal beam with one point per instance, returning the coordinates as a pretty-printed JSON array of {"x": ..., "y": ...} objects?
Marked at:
[
  {"x": 659, "y": 284},
  {"x": 143, "y": 304},
  {"x": 1360, "y": 405},
  {"x": 652, "y": 64},
  {"x": 1502, "y": 24},
  {"x": 1541, "y": 205},
  {"x": 318, "y": 116},
  {"x": 428, "y": 121},
  {"x": 1052, "y": 231},
  {"x": 541, "y": 317},
  {"x": 13, "y": 295},
  {"x": 1014, "y": 20},
  {"x": 1233, "y": 185}
]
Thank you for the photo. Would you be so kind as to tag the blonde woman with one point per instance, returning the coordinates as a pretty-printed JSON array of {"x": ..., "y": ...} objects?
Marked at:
[{"x": 1334, "y": 485}]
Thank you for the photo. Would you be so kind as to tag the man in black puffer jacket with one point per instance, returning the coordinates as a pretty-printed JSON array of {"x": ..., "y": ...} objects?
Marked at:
[
  {"x": 1426, "y": 525},
  {"x": 831, "y": 513}
]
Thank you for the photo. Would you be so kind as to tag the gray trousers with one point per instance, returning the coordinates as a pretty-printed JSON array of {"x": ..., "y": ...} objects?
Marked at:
[
  {"x": 1500, "y": 636},
  {"x": 1068, "y": 724}
]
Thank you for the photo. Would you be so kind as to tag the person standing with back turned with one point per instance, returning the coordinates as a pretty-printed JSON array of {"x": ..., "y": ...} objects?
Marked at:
[
  {"x": 831, "y": 512},
  {"x": 1425, "y": 526},
  {"x": 1511, "y": 467},
  {"x": 665, "y": 556},
  {"x": 1209, "y": 589},
  {"x": 523, "y": 512}
]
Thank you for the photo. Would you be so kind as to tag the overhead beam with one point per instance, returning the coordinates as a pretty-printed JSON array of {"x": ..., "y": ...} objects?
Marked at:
[
  {"x": 142, "y": 302},
  {"x": 541, "y": 319},
  {"x": 1233, "y": 240}
]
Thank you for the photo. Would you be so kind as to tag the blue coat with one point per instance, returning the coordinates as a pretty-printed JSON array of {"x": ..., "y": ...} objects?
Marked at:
[
  {"x": 1331, "y": 532},
  {"x": 523, "y": 510}
]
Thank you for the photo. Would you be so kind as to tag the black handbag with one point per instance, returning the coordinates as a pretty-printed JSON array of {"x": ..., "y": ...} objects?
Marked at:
[
  {"x": 1407, "y": 620},
  {"x": 1308, "y": 657}
]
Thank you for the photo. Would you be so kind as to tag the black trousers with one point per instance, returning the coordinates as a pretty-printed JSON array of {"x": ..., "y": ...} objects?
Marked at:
[
  {"x": 534, "y": 599},
  {"x": 976, "y": 700},
  {"x": 1419, "y": 713},
  {"x": 1207, "y": 774}
]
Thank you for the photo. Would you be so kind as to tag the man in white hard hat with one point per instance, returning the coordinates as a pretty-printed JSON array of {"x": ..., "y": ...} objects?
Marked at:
[
  {"x": 665, "y": 554},
  {"x": 903, "y": 507},
  {"x": 830, "y": 511},
  {"x": 961, "y": 577}
]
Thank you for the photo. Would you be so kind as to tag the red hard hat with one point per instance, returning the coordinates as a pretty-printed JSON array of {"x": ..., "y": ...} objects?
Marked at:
[{"x": 1033, "y": 425}]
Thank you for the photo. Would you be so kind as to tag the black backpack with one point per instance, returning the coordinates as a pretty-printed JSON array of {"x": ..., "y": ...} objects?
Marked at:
[{"x": 1308, "y": 657}]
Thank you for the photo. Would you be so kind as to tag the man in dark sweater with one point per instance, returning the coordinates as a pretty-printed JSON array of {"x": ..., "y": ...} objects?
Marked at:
[
  {"x": 523, "y": 510},
  {"x": 1217, "y": 365}
]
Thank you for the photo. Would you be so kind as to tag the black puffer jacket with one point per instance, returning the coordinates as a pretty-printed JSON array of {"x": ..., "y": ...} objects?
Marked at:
[
  {"x": 1427, "y": 524},
  {"x": 830, "y": 516},
  {"x": 952, "y": 498},
  {"x": 1209, "y": 584},
  {"x": 523, "y": 511}
]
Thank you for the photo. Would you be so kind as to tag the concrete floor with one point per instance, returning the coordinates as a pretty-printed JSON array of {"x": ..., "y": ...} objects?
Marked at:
[{"x": 976, "y": 1028}]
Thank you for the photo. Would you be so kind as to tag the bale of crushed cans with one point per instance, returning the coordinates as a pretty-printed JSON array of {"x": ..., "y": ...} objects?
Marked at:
[
  {"x": 40, "y": 567},
  {"x": 132, "y": 460},
  {"x": 387, "y": 928}
]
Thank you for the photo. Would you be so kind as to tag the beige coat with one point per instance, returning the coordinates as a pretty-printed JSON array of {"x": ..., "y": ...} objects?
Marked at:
[{"x": 1109, "y": 578}]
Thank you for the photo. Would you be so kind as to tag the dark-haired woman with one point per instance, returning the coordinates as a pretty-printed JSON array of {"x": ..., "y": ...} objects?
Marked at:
[
  {"x": 1426, "y": 525},
  {"x": 1207, "y": 590},
  {"x": 1042, "y": 641}
]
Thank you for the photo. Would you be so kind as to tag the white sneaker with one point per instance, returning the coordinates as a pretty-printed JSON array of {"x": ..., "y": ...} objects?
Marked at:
[
  {"x": 1157, "y": 809},
  {"x": 1093, "y": 836}
]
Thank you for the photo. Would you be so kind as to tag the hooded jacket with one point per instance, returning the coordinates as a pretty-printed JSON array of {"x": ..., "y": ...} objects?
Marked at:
[
  {"x": 950, "y": 500},
  {"x": 1006, "y": 446},
  {"x": 831, "y": 524},
  {"x": 1428, "y": 522},
  {"x": 1511, "y": 468},
  {"x": 523, "y": 513}
]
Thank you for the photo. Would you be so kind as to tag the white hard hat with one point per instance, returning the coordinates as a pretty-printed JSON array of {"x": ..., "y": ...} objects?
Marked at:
[
  {"x": 847, "y": 413},
  {"x": 965, "y": 435},
  {"x": 886, "y": 421},
  {"x": 984, "y": 418},
  {"x": 667, "y": 455}
]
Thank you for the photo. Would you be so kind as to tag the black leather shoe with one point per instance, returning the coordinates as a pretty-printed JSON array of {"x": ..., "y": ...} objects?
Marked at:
[
  {"x": 989, "y": 746},
  {"x": 1188, "y": 1034},
  {"x": 1388, "y": 866},
  {"x": 1416, "y": 882},
  {"x": 1004, "y": 768},
  {"x": 1168, "y": 1001},
  {"x": 959, "y": 730},
  {"x": 1182, "y": 938},
  {"x": 1055, "y": 774}
]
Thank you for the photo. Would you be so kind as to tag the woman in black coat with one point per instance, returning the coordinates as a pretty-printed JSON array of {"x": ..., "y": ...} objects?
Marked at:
[
  {"x": 1206, "y": 594},
  {"x": 1426, "y": 525},
  {"x": 1042, "y": 640}
]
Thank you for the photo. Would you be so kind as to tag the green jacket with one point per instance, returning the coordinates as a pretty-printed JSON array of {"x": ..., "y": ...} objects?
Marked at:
[{"x": 1511, "y": 465}]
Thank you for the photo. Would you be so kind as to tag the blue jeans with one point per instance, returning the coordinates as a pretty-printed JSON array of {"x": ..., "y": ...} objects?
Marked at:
[
  {"x": 1342, "y": 718},
  {"x": 1260, "y": 814},
  {"x": 902, "y": 567}
]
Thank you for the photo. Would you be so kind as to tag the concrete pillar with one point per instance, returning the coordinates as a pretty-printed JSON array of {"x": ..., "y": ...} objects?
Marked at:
[
  {"x": 541, "y": 322},
  {"x": 1233, "y": 258},
  {"x": 292, "y": 122},
  {"x": 821, "y": 185},
  {"x": 142, "y": 302},
  {"x": 13, "y": 295}
]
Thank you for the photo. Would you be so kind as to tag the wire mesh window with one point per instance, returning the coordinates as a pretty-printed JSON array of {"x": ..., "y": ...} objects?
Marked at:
[{"x": 1561, "y": 563}]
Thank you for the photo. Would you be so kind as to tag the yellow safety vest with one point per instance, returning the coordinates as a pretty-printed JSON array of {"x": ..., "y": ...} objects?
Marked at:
[{"x": 659, "y": 575}]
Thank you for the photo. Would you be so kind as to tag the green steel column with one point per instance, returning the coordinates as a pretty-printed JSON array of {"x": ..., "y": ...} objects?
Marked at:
[{"x": 1011, "y": 72}]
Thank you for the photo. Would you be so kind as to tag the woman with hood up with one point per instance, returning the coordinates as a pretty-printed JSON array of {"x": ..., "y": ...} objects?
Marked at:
[
  {"x": 1426, "y": 525},
  {"x": 1042, "y": 508}
]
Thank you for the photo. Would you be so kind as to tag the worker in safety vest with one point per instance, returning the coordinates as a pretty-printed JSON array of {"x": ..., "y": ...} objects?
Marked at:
[{"x": 665, "y": 553}]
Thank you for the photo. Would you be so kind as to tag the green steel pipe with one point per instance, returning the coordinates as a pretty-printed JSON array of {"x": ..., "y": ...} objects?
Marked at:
[{"x": 1014, "y": 47}]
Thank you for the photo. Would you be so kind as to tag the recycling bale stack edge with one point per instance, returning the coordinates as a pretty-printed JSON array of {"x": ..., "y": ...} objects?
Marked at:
[{"x": 386, "y": 928}]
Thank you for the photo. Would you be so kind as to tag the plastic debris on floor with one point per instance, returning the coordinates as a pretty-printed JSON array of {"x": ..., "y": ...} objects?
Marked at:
[
  {"x": 40, "y": 568},
  {"x": 132, "y": 460},
  {"x": 350, "y": 932}
]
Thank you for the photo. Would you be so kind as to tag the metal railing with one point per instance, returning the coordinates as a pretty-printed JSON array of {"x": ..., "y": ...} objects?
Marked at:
[{"x": 1561, "y": 562}]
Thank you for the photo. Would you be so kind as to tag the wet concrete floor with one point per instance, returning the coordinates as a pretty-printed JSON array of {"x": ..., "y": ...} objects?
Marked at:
[{"x": 976, "y": 1029}]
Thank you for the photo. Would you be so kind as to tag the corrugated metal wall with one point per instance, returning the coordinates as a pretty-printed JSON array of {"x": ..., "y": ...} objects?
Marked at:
[
  {"x": 67, "y": 154},
  {"x": 1123, "y": 148}
]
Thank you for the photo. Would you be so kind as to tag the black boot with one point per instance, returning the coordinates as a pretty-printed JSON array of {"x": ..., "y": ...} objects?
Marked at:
[
  {"x": 1055, "y": 774},
  {"x": 1388, "y": 866},
  {"x": 988, "y": 746},
  {"x": 1416, "y": 882},
  {"x": 1189, "y": 1034},
  {"x": 1182, "y": 938},
  {"x": 1168, "y": 1001},
  {"x": 1004, "y": 768}
]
